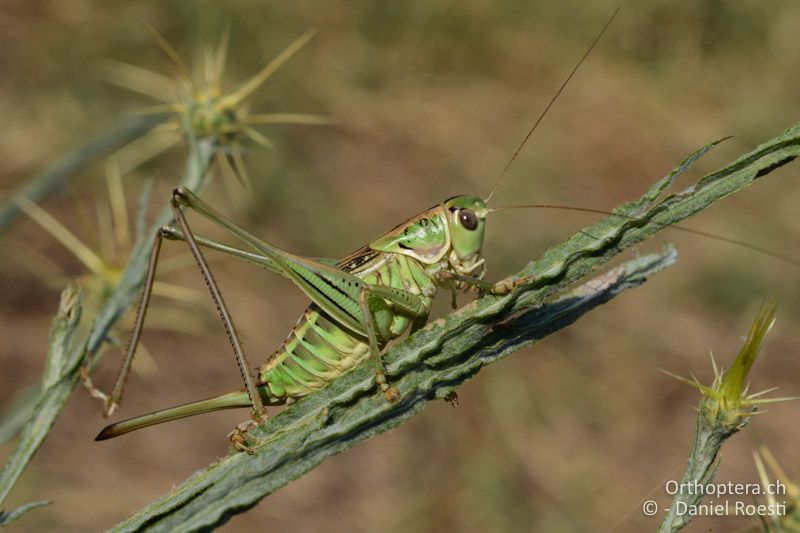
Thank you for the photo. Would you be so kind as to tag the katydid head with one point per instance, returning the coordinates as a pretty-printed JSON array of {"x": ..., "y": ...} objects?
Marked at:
[{"x": 466, "y": 219}]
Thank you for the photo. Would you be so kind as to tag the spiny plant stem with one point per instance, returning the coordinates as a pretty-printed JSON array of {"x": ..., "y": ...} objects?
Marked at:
[
  {"x": 50, "y": 401},
  {"x": 701, "y": 469}
]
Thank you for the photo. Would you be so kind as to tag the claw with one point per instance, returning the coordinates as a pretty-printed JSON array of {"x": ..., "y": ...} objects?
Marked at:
[
  {"x": 522, "y": 281},
  {"x": 239, "y": 441},
  {"x": 391, "y": 394},
  {"x": 506, "y": 286},
  {"x": 108, "y": 406},
  {"x": 238, "y": 436}
]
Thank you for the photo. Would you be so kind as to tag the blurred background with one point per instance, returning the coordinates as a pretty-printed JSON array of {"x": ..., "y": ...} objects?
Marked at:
[{"x": 429, "y": 100}]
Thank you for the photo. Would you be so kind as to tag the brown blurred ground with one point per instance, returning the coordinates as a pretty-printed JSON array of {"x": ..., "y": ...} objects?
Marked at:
[{"x": 430, "y": 99}]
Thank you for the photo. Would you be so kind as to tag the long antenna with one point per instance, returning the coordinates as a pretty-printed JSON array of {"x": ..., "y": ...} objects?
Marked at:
[
  {"x": 729, "y": 240},
  {"x": 552, "y": 101}
]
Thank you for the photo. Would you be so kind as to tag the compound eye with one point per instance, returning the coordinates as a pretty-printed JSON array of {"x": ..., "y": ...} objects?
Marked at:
[{"x": 468, "y": 219}]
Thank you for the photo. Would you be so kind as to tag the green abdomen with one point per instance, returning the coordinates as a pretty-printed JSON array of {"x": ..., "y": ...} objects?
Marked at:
[{"x": 319, "y": 350}]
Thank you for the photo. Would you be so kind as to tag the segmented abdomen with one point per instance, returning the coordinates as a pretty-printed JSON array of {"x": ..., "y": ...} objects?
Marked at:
[{"x": 318, "y": 349}]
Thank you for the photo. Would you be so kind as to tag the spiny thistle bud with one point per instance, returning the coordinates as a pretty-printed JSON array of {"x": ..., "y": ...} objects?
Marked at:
[
  {"x": 726, "y": 404},
  {"x": 201, "y": 107}
]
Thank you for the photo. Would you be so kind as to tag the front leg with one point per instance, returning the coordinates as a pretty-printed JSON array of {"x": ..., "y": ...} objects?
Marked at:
[{"x": 500, "y": 288}]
